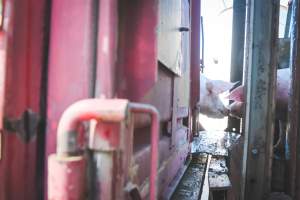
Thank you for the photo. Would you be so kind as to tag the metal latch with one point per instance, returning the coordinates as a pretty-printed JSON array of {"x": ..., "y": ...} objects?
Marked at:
[{"x": 25, "y": 127}]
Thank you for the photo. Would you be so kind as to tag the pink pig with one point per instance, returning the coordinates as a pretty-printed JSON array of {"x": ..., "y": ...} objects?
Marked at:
[
  {"x": 283, "y": 83},
  {"x": 210, "y": 103}
]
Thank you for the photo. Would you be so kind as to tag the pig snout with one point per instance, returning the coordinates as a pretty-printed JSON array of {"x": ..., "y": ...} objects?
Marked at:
[
  {"x": 281, "y": 97},
  {"x": 212, "y": 106},
  {"x": 225, "y": 111},
  {"x": 236, "y": 109},
  {"x": 214, "y": 112},
  {"x": 210, "y": 103}
]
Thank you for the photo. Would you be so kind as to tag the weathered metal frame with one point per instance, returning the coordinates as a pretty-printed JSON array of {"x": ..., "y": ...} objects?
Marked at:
[
  {"x": 293, "y": 127},
  {"x": 261, "y": 47}
]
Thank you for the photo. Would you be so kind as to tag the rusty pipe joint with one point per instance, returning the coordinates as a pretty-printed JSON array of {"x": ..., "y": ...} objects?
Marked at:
[
  {"x": 106, "y": 110},
  {"x": 113, "y": 110}
]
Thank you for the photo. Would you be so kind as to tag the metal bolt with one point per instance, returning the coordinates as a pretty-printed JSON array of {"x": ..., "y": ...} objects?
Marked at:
[{"x": 254, "y": 152}]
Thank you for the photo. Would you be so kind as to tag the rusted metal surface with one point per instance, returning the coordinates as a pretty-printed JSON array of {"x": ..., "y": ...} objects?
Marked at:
[
  {"x": 261, "y": 62},
  {"x": 137, "y": 49},
  {"x": 214, "y": 142},
  {"x": 191, "y": 183},
  {"x": 67, "y": 178},
  {"x": 293, "y": 128},
  {"x": 237, "y": 52},
  {"x": 22, "y": 42}
]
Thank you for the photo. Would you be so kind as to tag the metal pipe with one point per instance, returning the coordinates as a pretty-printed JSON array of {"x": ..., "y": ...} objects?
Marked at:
[
  {"x": 237, "y": 52},
  {"x": 195, "y": 59},
  {"x": 195, "y": 52},
  {"x": 98, "y": 109},
  {"x": 293, "y": 127},
  {"x": 142, "y": 108}
]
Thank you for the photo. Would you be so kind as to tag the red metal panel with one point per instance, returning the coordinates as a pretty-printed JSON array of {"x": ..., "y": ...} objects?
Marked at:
[
  {"x": 70, "y": 60},
  {"x": 137, "y": 63},
  {"x": 24, "y": 31}
]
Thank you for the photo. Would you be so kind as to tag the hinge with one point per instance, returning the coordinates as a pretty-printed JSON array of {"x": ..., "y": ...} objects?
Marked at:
[{"x": 25, "y": 127}]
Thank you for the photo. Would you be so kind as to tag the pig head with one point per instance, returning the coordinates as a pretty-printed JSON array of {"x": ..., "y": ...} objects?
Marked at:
[
  {"x": 210, "y": 103},
  {"x": 282, "y": 90}
]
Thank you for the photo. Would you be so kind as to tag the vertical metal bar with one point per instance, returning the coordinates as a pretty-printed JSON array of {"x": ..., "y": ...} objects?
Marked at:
[
  {"x": 237, "y": 51},
  {"x": 143, "y": 108},
  {"x": 202, "y": 65},
  {"x": 107, "y": 42},
  {"x": 259, "y": 121},
  {"x": 236, "y": 74},
  {"x": 288, "y": 21},
  {"x": 174, "y": 110},
  {"x": 293, "y": 128},
  {"x": 195, "y": 56}
]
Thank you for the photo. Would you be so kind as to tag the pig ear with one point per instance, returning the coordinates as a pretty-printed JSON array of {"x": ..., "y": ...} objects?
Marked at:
[
  {"x": 237, "y": 94},
  {"x": 218, "y": 86}
]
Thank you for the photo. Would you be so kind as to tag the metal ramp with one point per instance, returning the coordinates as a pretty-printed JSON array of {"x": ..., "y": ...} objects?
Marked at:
[{"x": 206, "y": 176}]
